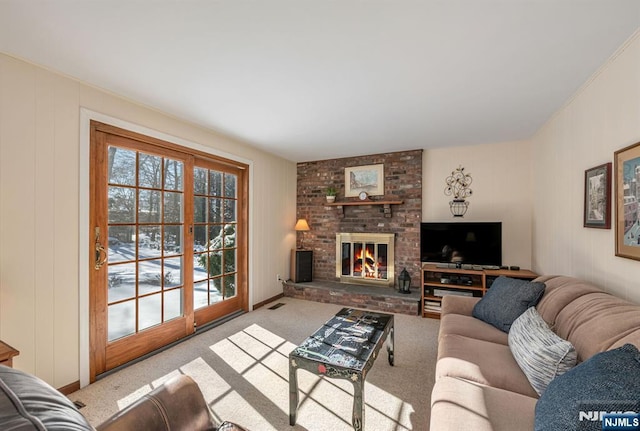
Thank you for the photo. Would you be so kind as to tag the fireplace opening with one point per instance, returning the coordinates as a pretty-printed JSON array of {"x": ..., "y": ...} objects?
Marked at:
[
  {"x": 368, "y": 260},
  {"x": 365, "y": 258}
]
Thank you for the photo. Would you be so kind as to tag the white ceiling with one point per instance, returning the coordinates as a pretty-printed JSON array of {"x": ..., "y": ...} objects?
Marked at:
[{"x": 318, "y": 79}]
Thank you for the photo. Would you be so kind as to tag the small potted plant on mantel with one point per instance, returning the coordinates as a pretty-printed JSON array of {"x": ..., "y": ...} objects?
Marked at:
[{"x": 331, "y": 194}]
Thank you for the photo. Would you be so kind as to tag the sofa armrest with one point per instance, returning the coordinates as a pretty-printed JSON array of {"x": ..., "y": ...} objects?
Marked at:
[
  {"x": 454, "y": 304},
  {"x": 29, "y": 403},
  {"x": 176, "y": 405}
]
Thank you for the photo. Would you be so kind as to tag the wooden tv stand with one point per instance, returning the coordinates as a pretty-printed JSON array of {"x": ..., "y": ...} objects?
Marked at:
[{"x": 437, "y": 282}]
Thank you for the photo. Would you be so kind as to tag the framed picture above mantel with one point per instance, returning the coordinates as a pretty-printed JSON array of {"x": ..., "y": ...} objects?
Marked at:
[
  {"x": 369, "y": 179},
  {"x": 627, "y": 190}
]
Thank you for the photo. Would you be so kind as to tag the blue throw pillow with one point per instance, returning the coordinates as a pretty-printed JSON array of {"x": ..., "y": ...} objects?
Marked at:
[
  {"x": 606, "y": 382},
  {"x": 506, "y": 300}
]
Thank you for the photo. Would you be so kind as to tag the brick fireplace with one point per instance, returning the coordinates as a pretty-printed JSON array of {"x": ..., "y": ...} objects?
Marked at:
[{"x": 402, "y": 183}]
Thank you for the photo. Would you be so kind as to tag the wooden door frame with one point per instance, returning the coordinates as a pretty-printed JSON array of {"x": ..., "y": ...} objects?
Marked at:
[
  {"x": 86, "y": 115},
  {"x": 243, "y": 241}
]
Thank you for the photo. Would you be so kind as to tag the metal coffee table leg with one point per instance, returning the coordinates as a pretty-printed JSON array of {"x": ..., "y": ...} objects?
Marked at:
[
  {"x": 358, "y": 405},
  {"x": 390, "y": 346},
  {"x": 293, "y": 392}
]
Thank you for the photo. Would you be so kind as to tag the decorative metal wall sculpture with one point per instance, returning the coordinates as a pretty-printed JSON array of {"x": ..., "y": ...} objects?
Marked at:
[{"x": 458, "y": 185}]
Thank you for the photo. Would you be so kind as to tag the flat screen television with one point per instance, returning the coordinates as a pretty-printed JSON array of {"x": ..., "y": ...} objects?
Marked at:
[{"x": 473, "y": 243}]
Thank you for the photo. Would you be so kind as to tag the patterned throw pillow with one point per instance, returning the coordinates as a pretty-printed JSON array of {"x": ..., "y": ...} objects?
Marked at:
[
  {"x": 541, "y": 354},
  {"x": 606, "y": 382},
  {"x": 506, "y": 300}
]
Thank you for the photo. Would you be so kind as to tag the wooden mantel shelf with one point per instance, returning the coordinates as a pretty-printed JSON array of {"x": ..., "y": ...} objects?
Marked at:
[
  {"x": 368, "y": 202},
  {"x": 386, "y": 204}
]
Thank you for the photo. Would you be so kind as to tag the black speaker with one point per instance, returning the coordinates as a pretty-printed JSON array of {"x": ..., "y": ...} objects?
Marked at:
[{"x": 301, "y": 265}]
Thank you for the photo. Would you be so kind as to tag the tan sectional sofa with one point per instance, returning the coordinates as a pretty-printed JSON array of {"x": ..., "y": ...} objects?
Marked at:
[{"x": 479, "y": 385}]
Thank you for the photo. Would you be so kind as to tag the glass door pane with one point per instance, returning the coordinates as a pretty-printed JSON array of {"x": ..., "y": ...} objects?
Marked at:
[
  {"x": 214, "y": 246},
  {"x": 145, "y": 207}
]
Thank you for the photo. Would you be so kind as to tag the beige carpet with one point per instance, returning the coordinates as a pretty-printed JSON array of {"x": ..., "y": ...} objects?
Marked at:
[{"x": 242, "y": 370}]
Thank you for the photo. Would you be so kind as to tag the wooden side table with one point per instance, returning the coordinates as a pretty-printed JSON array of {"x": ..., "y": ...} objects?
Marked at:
[{"x": 6, "y": 354}]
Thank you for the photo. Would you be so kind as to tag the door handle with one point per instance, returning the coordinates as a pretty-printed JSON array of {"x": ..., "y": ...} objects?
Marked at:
[{"x": 100, "y": 251}]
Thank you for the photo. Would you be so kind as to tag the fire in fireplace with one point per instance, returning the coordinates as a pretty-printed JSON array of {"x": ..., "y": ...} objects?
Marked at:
[{"x": 365, "y": 258}]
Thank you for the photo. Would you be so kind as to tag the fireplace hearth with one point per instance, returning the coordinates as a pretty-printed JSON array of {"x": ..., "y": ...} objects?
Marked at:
[
  {"x": 365, "y": 258},
  {"x": 355, "y": 295}
]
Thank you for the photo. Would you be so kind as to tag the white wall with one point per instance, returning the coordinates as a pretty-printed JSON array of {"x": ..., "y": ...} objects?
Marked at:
[
  {"x": 501, "y": 191},
  {"x": 603, "y": 117},
  {"x": 40, "y": 210}
]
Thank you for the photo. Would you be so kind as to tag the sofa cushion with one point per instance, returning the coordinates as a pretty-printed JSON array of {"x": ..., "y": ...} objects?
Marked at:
[
  {"x": 470, "y": 327},
  {"x": 540, "y": 353},
  {"x": 558, "y": 293},
  {"x": 507, "y": 299},
  {"x": 13, "y": 415},
  {"x": 581, "y": 313},
  {"x": 39, "y": 405},
  {"x": 458, "y": 304},
  {"x": 608, "y": 381},
  {"x": 483, "y": 362},
  {"x": 595, "y": 322},
  {"x": 632, "y": 337},
  {"x": 458, "y": 404}
]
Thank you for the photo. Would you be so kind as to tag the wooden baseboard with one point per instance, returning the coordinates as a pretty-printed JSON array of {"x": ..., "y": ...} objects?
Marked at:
[
  {"x": 70, "y": 388},
  {"x": 268, "y": 301}
]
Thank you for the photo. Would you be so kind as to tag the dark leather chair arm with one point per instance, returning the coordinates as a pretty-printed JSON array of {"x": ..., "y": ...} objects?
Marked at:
[
  {"x": 28, "y": 403},
  {"x": 177, "y": 405}
]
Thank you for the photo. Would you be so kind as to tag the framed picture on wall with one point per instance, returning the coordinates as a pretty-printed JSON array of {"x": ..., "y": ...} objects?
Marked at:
[
  {"x": 369, "y": 179},
  {"x": 597, "y": 197},
  {"x": 627, "y": 190}
]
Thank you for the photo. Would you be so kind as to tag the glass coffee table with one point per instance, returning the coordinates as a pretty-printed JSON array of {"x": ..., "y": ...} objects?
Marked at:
[{"x": 344, "y": 348}]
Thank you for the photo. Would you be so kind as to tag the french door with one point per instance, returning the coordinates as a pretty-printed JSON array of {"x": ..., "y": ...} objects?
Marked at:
[
  {"x": 216, "y": 236},
  {"x": 168, "y": 244}
]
